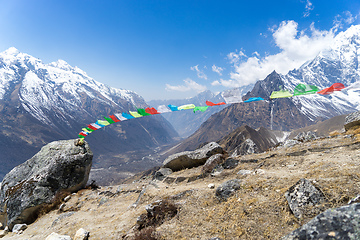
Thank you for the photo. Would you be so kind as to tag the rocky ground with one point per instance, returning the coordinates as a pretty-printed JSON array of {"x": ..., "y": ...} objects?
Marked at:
[{"x": 257, "y": 210}]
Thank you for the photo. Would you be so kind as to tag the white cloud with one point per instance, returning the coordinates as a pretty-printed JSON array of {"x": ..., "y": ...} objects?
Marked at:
[
  {"x": 295, "y": 49},
  {"x": 217, "y": 69},
  {"x": 235, "y": 57},
  {"x": 199, "y": 73},
  {"x": 308, "y": 7},
  {"x": 189, "y": 85},
  {"x": 345, "y": 18}
]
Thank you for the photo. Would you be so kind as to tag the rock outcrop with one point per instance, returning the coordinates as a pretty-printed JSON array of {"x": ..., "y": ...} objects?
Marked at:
[
  {"x": 191, "y": 159},
  {"x": 351, "y": 120},
  {"x": 338, "y": 223},
  {"x": 246, "y": 140},
  {"x": 58, "y": 166}
]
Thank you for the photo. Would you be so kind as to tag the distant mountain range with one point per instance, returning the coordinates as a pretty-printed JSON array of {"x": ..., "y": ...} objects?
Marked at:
[
  {"x": 40, "y": 103},
  {"x": 187, "y": 122},
  {"x": 339, "y": 63}
]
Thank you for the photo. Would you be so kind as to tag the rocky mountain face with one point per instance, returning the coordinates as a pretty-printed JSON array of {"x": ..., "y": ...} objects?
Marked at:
[
  {"x": 246, "y": 140},
  {"x": 40, "y": 103},
  {"x": 279, "y": 114}
]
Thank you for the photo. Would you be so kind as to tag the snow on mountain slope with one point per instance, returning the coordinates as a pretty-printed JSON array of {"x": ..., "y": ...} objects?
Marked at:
[
  {"x": 56, "y": 86},
  {"x": 339, "y": 63}
]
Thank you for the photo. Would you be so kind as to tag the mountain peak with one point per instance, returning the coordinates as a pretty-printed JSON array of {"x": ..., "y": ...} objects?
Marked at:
[
  {"x": 62, "y": 65},
  {"x": 11, "y": 51}
]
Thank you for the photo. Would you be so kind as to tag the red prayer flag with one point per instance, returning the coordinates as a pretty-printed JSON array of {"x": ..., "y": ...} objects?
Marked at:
[
  {"x": 338, "y": 86},
  {"x": 92, "y": 127},
  {"x": 334, "y": 87},
  {"x": 115, "y": 119},
  {"x": 82, "y": 134},
  {"x": 151, "y": 111},
  {"x": 208, "y": 103}
]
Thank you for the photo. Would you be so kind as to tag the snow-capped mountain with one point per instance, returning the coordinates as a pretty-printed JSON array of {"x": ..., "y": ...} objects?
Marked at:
[
  {"x": 338, "y": 63},
  {"x": 55, "y": 87},
  {"x": 42, "y": 102}
]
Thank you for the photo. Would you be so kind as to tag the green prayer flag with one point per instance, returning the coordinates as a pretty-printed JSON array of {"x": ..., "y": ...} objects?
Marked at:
[
  {"x": 202, "y": 109},
  {"x": 302, "y": 89},
  {"x": 109, "y": 120},
  {"x": 142, "y": 112}
]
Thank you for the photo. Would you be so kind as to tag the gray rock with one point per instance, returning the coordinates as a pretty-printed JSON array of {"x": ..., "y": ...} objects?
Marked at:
[
  {"x": 227, "y": 189},
  {"x": 302, "y": 195},
  {"x": 19, "y": 227},
  {"x": 56, "y": 236},
  {"x": 191, "y": 159},
  {"x": 212, "y": 162},
  {"x": 230, "y": 163},
  {"x": 306, "y": 136},
  {"x": 58, "y": 166},
  {"x": 162, "y": 173},
  {"x": 338, "y": 223},
  {"x": 351, "y": 120},
  {"x": 61, "y": 217}
]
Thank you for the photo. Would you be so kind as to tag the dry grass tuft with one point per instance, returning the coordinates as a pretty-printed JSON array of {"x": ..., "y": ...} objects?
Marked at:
[
  {"x": 148, "y": 233},
  {"x": 162, "y": 211}
]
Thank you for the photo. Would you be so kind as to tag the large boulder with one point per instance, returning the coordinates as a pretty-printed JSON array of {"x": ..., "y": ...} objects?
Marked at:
[
  {"x": 58, "y": 166},
  {"x": 338, "y": 223},
  {"x": 351, "y": 120},
  {"x": 191, "y": 159}
]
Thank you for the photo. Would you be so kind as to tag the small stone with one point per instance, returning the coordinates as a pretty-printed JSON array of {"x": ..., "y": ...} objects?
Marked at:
[
  {"x": 82, "y": 234},
  {"x": 211, "y": 186},
  {"x": 56, "y": 236},
  {"x": 332, "y": 234},
  {"x": 3, "y": 233},
  {"x": 62, "y": 207},
  {"x": 244, "y": 172},
  {"x": 19, "y": 228},
  {"x": 67, "y": 198}
]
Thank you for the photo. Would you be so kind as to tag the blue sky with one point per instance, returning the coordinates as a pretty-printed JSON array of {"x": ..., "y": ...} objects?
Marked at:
[{"x": 175, "y": 49}]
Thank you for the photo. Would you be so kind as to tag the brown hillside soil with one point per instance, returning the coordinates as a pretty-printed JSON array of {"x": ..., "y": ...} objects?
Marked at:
[{"x": 257, "y": 211}]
